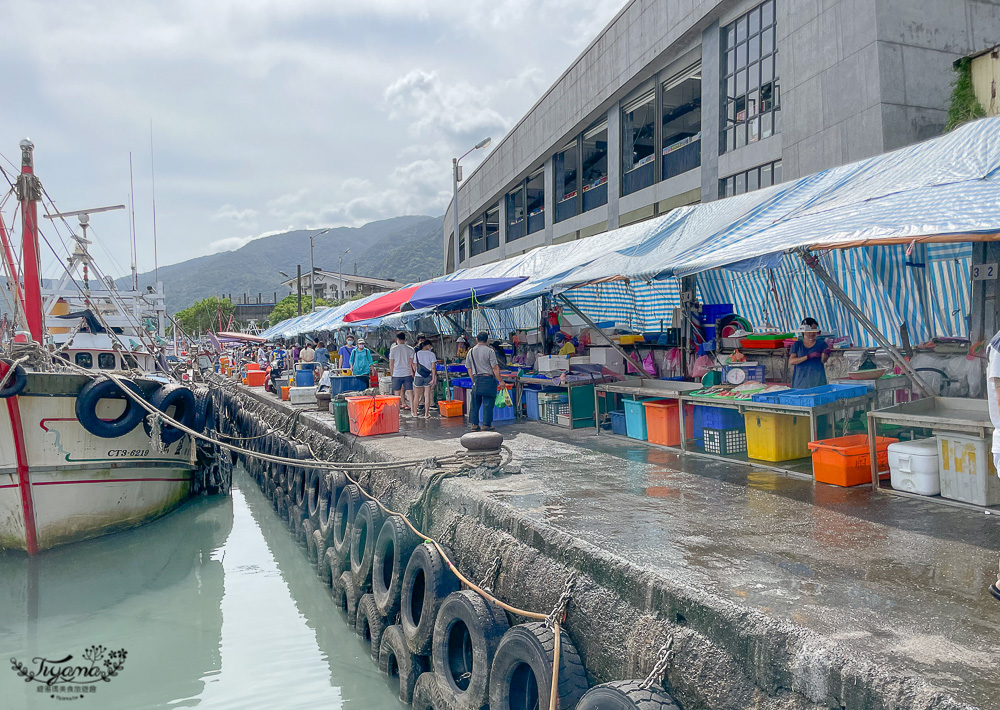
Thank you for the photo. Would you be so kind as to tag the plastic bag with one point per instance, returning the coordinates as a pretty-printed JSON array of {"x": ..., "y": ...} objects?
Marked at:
[
  {"x": 701, "y": 366},
  {"x": 503, "y": 399},
  {"x": 649, "y": 364}
]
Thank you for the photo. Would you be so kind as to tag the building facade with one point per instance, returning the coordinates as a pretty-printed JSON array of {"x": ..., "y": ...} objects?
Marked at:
[
  {"x": 333, "y": 286},
  {"x": 684, "y": 101}
]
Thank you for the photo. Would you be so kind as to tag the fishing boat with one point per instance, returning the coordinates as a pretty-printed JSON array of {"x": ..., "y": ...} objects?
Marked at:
[{"x": 83, "y": 452}]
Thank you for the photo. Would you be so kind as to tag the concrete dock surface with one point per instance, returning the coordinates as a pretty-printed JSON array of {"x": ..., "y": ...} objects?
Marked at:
[{"x": 900, "y": 583}]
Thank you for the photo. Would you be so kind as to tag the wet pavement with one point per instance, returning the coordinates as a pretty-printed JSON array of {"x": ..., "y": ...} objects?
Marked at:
[{"x": 899, "y": 581}]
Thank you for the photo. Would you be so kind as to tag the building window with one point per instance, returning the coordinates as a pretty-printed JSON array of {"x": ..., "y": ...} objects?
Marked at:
[
  {"x": 595, "y": 166},
  {"x": 534, "y": 188},
  {"x": 461, "y": 249},
  {"x": 682, "y": 123},
  {"x": 638, "y": 124},
  {"x": 566, "y": 173},
  {"x": 477, "y": 244},
  {"x": 84, "y": 360},
  {"x": 106, "y": 361},
  {"x": 753, "y": 179},
  {"x": 493, "y": 227},
  {"x": 517, "y": 223},
  {"x": 751, "y": 100}
]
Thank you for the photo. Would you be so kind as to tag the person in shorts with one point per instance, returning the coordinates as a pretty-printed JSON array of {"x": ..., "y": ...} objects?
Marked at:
[
  {"x": 425, "y": 377},
  {"x": 401, "y": 367}
]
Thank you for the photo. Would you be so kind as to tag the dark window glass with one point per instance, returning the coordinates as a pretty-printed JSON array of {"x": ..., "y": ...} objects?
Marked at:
[
  {"x": 638, "y": 125},
  {"x": 461, "y": 249},
  {"x": 595, "y": 167},
  {"x": 85, "y": 360},
  {"x": 749, "y": 65},
  {"x": 566, "y": 179},
  {"x": 776, "y": 170},
  {"x": 516, "y": 217},
  {"x": 106, "y": 361},
  {"x": 753, "y": 179},
  {"x": 681, "y": 125},
  {"x": 535, "y": 201},
  {"x": 130, "y": 361},
  {"x": 477, "y": 243},
  {"x": 493, "y": 227}
]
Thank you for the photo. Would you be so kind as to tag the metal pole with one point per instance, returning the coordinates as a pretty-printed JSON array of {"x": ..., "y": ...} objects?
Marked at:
[
  {"x": 312, "y": 273},
  {"x": 812, "y": 261},
  {"x": 454, "y": 209},
  {"x": 340, "y": 280},
  {"x": 592, "y": 324},
  {"x": 298, "y": 282}
]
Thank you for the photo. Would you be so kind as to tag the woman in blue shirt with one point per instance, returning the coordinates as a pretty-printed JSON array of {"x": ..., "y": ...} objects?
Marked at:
[
  {"x": 808, "y": 355},
  {"x": 361, "y": 360}
]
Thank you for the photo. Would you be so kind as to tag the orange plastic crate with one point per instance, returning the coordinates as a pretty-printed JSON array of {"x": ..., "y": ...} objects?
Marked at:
[
  {"x": 252, "y": 366},
  {"x": 662, "y": 422},
  {"x": 450, "y": 407},
  {"x": 255, "y": 378},
  {"x": 846, "y": 460},
  {"x": 370, "y": 416},
  {"x": 284, "y": 393}
]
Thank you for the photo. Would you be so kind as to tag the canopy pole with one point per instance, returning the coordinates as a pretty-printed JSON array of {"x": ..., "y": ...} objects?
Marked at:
[
  {"x": 812, "y": 261},
  {"x": 593, "y": 325}
]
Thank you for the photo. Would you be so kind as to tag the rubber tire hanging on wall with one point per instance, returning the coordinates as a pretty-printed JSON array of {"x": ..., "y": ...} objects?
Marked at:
[
  {"x": 426, "y": 582},
  {"x": 521, "y": 675},
  {"x": 330, "y": 487},
  {"x": 367, "y": 526},
  {"x": 182, "y": 399},
  {"x": 370, "y": 625},
  {"x": 467, "y": 632},
  {"x": 336, "y": 563},
  {"x": 320, "y": 560},
  {"x": 426, "y": 694},
  {"x": 393, "y": 548},
  {"x": 313, "y": 477},
  {"x": 16, "y": 382},
  {"x": 394, "y": 658},
  {"x": 626, "y": 695},
  {"x": 204, "y": 410},
  {"x": 104, "y": 388},
  {"x": 343, "y": 525},
  {"x": 347, "y": 597}
]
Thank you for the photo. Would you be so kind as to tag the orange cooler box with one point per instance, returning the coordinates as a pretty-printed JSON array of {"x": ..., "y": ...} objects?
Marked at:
[
  {"x": 846, "y": 461},
  {"x": 370, "y": 416},
  {"x": 255, "y": 378},
  {"x": 662, "y": 422},
  {"x": 251, "y": 366}
]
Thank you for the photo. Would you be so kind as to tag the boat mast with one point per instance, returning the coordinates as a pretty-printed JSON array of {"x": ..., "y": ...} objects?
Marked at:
[{"x": 29, "y": 193}]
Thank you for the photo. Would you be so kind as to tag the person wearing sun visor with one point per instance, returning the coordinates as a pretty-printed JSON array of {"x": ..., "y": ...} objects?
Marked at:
[{"x": 808, "y": 356}]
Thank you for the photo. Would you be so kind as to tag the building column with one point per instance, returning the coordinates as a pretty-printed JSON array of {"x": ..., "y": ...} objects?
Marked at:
[
  {"x": 614, "y": 162},
  {"x": 549, "y": 181},
  {"x": 711, "y": 111}
]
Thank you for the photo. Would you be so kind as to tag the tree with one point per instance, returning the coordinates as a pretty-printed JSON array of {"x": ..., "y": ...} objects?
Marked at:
[
  {"x": 205, "y": 315},
  {"x": 288, "y": 307}
]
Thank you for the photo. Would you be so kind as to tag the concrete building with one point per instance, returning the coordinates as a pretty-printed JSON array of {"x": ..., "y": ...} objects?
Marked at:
[
  {"x": 684, "y": 101},
  {"x": 333, "y": 285}
]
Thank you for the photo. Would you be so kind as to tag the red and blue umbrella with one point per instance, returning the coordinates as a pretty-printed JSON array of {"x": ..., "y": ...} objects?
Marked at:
[{"x": 451, "y": 295}]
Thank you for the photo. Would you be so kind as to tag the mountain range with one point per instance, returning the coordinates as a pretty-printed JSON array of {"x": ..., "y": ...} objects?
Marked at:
[{"x": 404, "y": 249}]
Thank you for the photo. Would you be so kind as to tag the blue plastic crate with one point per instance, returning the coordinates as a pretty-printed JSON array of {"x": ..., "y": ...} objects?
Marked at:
[
  {"x": 711, "y": 312},
  {"x": 618, "y": 425},
  {"x": 531, "y": 401},
  {"x": 500, "y": 414},
  {"x": 635, "y": 419},
  {"x": 719, "y": 418},
  {"x": 772, "y": 398},
  {"x": 464, "y": 382},
  {"x": 818, "y": 396}
]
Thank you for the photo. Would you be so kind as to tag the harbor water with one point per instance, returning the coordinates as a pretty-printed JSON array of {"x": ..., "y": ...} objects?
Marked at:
[{"x": 214, "y": 606}]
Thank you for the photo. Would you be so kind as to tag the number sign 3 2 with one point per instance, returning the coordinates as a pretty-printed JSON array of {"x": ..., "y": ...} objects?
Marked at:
[{"x": 984, "y": 272}]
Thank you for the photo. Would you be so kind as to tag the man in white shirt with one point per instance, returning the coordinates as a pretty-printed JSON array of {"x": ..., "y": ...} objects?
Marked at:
[{"x": 402, "y": 367}]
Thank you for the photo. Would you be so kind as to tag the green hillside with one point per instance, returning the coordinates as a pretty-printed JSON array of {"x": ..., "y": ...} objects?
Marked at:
[{"x": 402, "y": 248}]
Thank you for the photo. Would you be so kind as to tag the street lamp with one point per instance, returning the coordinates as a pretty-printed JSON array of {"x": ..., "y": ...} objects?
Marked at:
[
  {"x": 312, "y": 267},
  {"x": 456, "y": 177},
  {"x": 340, "y": 276}
]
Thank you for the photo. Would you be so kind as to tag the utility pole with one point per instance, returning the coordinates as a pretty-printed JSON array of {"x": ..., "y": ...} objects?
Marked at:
[{"x": 298, "y": 282}]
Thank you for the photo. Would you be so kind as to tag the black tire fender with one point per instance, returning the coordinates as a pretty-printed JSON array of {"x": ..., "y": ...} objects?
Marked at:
[
  {"x": 204, "y": 411},
  {"x": 393, "y": 548},
  {"x": 182, "y": 400},
  {"x": 343, "y": 525},
  {"x": 395, "y": 659},
  {"x": 104, "y": 388},
  {"x": 370, "y": 625},
  {"x": 319, "y": 559},
  {"x": 347, "y": 597},
  {"x": 17, "y": 381},
  {"x": 330, "y": 487},
  {"x": 367, "y": 526},
  {"x": 521, "y": 675},
  {"x": 426, "y": 694},
  {"x": 336, "y": 563},
  {"x": 467, "y": 632},
  {"x": 313, "y": 477},
  {"x": 626, "y": 695},
  {"x": 426, "y": 583},
  {"x": 307, "y": 530}
]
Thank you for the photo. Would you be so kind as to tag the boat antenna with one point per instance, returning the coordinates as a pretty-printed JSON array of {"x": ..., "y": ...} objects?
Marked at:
[
  {"x": 152, "y": 171},
  {"x": 132, "y": 252}
]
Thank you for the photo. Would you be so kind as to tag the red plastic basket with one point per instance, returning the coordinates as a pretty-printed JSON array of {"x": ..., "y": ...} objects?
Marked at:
[{"x": 370, "y": 416}]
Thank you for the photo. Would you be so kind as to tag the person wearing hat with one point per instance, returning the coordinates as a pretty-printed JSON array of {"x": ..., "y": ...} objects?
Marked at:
[
  {"x": 566, "y": 346},
  {"x": 484, "y": 369},
  {"x": 808, "y": 356},
  {"x": 362, "y": 362},
  {"x": 462, "y": 346}
]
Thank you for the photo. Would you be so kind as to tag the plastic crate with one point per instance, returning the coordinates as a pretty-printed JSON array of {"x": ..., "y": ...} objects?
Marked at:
[
  {"x": 618, "y": 423},
  {"x": 748, "y": 344},
  {"x": 563, "y": 408},
  {"x": 777, "y": 437},
  {"x": 635, "y": 419},
  {"x": 755, "y": 373},
  {"x": 724, "y": 442},
  {"x": 549, "y": 413},
  {"x": 663, "y": 422},
  {"x": 967, "y": 470},
  {"x": 846, "y": 460},
  {"x": 720, "y": 418},
  {"x": 370, "y": 416},
  {"x": 255, "y": 378},
  {"x": 772, "y": 398},
  {"x": 818, "y": 396},
  {"x": 451, "y": 407},
  {"x": 712, "y": 312},
  {"x": 531, "y": 403},
  {"x": 500, "y": 414},
  {"x": 464, "y": 382}
]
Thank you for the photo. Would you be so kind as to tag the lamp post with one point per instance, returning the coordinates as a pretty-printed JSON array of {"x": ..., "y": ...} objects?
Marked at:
[
  {"x": 312, "y": 267},
  {"x": 455, "y": 179},
  {"x": 340, "y": 276}
]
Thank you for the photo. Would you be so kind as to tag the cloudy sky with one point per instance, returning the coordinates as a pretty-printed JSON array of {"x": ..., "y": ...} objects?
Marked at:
[{"x": 270, "y": 115}]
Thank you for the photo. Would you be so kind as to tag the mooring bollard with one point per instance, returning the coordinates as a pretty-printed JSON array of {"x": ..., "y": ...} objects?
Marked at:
[{"x": 482, "y": 442}]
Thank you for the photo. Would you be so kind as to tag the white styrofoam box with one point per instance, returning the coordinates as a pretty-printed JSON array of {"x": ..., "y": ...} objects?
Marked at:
[
  {"x": 605, "y": 356},
  {"x": 532, "y": 337},
  {"x": 580, "y": 360},
  {"x": 914, "y": 466},
  {"x": 551, "y": 363},
  {"x": 384, "y": 384},
  {"x": 967, "y": 471},
  {"x": 302, "y": 395},
  {"x": 563, "y": 419}
]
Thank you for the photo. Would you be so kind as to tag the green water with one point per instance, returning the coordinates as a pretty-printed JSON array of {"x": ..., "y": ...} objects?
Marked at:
[{"x": 215, "y": 606}]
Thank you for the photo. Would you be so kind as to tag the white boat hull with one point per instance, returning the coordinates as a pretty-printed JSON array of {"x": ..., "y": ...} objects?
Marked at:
[{"x": 71, "y": 484}]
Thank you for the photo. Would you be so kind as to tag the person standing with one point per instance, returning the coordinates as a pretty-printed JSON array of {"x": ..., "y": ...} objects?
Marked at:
[
  {"x": 322, "y": 356},
  {"x": 295, "y": 354},
  {"x": 484, "y": 369},
  {"x": 345, "y": 352},
  {"x": 425, "y": 378},
  {"x": 308, "y": 353},
  {"x": 361, "y": 361},
  {"x": 565, "y": 345},
  {"x": 808, "y": 356},
  {"x": 401, "y": 367},
  {"x": 262, "y": 357}
]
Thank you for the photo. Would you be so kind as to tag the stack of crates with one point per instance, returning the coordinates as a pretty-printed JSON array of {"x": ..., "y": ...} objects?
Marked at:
[
  {"x": 723, "y": 430},
  {"x": 548, "y": 406}
]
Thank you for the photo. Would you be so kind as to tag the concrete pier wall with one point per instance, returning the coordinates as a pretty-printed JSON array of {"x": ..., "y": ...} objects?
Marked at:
[{"x": 723, "y": 656}]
